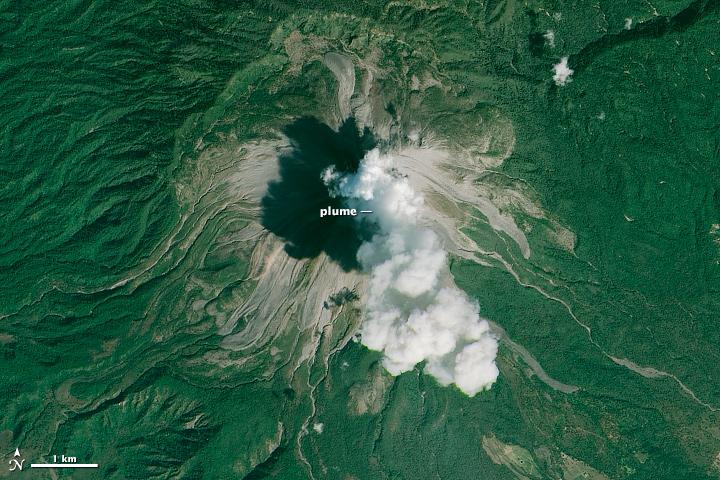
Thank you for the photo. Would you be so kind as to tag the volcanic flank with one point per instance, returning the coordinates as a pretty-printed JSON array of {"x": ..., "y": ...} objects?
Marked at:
[{"x": 412, "y": 311}]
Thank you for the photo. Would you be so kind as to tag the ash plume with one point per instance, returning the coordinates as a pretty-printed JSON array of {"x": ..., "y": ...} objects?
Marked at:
[{"x": 413, "y": 310}]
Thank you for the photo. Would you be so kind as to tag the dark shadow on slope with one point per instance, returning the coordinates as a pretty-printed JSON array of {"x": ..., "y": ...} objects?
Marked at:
[
  {"x": 267, "y": 469},
  {"x": 653, "y": 28},
  {"x": 291, "y": 206}
]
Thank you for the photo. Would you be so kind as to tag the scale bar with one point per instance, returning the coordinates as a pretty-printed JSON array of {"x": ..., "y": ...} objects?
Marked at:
[{"x": 63, "y": 465}]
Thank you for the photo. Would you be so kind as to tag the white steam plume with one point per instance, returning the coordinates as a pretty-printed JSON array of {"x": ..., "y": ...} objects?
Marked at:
[{"x": 414, "y": 312}]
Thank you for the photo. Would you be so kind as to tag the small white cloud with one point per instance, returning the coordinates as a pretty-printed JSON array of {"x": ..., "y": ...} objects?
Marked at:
[
  {"x": 549, "y": 37},
  {"x": 318, "y": 427},
  {"x": 562, "y": 72},
  {"x": 628, "y": 23}
]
